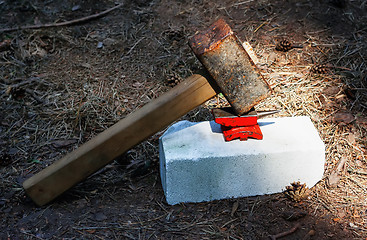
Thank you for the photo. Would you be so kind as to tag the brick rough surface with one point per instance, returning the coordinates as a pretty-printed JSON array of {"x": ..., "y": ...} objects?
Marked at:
[{"x": 197, "y": 165}]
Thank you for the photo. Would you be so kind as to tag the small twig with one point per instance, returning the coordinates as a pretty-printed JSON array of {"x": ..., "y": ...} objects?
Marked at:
[
  {"x": 341, "y": 164},
  {"x": 31, "y": 235},
  {"x": 266, "y": 22},
  {"x": 132, "y": 48},
  {"x": 231, "y": 221},
  {"x": 324, "y": 204},
  {"x": 25, "y": 82},
  {"x": 161, "y": 206},
  {"x": 34, "y": 96},
  {"x": 98, "y": 227},
  {"x": 65, "y": 23},
  {"x": 357, "y": 172},
  {"x": 241, "y": 3},
  {"x": 283, "y": 234},
  {"x": 357, "y": 183}
]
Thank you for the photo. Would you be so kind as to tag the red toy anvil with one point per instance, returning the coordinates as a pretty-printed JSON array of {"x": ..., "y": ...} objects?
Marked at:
[{"x": 241, "y": 127}]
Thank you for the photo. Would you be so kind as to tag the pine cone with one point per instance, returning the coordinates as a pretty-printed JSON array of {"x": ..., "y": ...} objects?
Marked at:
[
  {"x": 297, "y": 191},
  {"x": 283, "y": 46},
  {"x": 173, "y": 80},
  {"x": 320, "y": 68}
]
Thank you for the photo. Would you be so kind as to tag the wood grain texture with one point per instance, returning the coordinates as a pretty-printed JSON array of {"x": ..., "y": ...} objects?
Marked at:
[{"x": 128, "y": 132}]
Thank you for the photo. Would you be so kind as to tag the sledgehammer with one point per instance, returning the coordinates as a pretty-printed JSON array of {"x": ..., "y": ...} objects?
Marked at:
[{"x": 232, "y": 72}]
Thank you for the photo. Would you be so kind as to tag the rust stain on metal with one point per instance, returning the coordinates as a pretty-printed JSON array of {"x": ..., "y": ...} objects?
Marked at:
[
  {"x": 223, "y": 55},
  {"x": 211, "y": 38}
]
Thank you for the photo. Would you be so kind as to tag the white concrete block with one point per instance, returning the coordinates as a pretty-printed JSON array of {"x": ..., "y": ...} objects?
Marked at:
[{"x": 196, "y": 164}]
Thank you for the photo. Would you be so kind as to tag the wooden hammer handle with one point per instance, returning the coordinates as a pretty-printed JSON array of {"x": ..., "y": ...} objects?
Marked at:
[{"x": 125, "y": 134}]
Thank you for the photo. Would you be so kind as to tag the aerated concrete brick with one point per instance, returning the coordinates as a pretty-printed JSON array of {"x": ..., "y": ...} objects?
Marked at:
[{"x": 197, "y": 165}]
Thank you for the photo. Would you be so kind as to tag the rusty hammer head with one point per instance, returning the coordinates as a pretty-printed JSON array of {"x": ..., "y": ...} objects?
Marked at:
[{"x": 223, "y": 55}]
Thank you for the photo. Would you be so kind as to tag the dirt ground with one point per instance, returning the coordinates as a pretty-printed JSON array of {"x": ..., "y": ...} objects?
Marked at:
[{"x": 60, "y": 86}]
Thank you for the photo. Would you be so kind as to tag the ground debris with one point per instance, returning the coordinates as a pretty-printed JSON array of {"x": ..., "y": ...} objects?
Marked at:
[
  {"x": 5, "y": 159},
  {"x": 63, "y": 143},
  {"x": 72, "y": 90},
  {"x": 286, "y": 233},
  {"x": 293, "y": 215}
]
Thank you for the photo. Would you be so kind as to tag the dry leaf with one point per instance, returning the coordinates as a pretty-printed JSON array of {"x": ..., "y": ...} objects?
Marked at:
[
  {"x": 343, "y": 118},
  {"x": 351, "y": 138},
  {"x": 336, "y": 174},
  {"x": 341, "y": 165},
  {"x": 39, "y": 52},
  {"x": 333, "y": 179},
  {"x": 234, "y": 208},
  {"x": 341, "y": 213},
  {"x": 331, "y": 91},
  {"x": 63, "y": 143},
  {"x": 311, "y": 232}
]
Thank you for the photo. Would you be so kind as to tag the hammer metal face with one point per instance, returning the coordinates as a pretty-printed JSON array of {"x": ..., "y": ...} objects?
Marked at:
[{"x": 223, "y": 55}]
